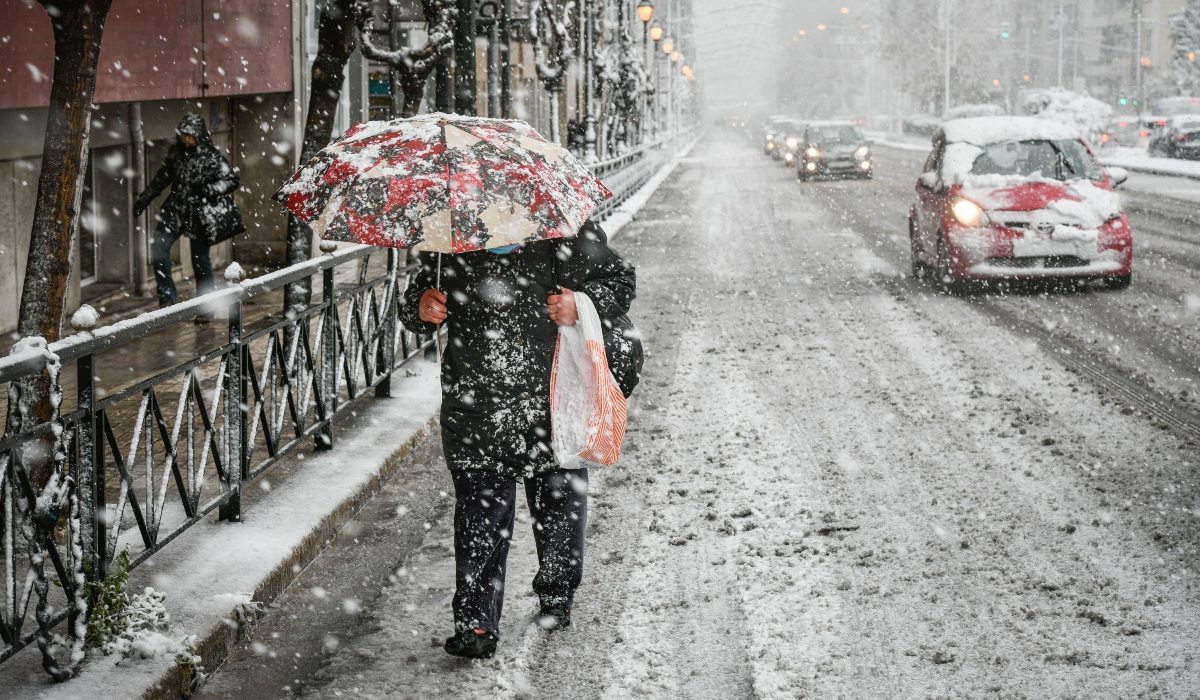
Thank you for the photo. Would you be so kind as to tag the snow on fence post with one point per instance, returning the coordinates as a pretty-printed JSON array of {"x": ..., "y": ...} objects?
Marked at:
[
  {"x": 328, "y": 374},
  {"x": 89, "y": 474},
  {"x": 386, "y": 356},
  {"x": 236, "y": 462}
]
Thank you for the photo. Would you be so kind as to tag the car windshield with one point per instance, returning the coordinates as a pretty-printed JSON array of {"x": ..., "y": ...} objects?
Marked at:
[
  {"x": 834, "y": 134},
  {"x": 1061, "y": 160}
]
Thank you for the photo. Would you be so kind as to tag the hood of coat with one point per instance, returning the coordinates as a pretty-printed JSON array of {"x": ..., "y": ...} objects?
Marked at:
[{"x": 193, "y": 125}]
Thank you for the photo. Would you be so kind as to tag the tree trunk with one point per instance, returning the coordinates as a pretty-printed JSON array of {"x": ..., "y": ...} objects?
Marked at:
[
  {"x": 335, "y": 43},
  {"x": 414, "y": 90},
  {"x": 78, "y": 27}
]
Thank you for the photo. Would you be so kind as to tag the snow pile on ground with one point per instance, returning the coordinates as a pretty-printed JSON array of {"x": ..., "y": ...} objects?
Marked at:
[
  {"x": 976, "y": 110},
  {"x": 1078, "y": 110},
  {"x": 1139, "y": 161}
]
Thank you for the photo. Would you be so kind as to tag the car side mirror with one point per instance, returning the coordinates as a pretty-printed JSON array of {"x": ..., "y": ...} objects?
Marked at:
[
  {"x": 1117, "y": 176},
  {"x": 930, "y": 181}
]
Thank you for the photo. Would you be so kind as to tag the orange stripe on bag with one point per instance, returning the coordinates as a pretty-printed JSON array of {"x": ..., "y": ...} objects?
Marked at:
[{"x": 587, "y": 408}]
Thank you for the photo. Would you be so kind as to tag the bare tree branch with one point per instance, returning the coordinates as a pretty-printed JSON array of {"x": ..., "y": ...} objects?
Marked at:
[{"x": 412, "y": 64}]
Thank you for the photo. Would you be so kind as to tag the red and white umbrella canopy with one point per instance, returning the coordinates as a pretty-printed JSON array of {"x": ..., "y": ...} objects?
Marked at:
[{"x": 443, "y": 183}]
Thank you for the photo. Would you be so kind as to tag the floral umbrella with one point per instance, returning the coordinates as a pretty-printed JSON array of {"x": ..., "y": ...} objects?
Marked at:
[{"x": 443, "y": 183}]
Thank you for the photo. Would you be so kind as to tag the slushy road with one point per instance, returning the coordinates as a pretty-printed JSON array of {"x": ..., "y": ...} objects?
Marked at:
[{"x": 837, "y": 482}]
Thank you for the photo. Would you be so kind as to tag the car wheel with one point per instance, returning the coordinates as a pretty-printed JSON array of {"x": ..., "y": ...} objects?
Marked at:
[
  {"x": 801, "y": 175},
  {"x": 920, "y": 270},
  {"x": 1118, "y": 281},
  {"x": 944, "y": 279}
]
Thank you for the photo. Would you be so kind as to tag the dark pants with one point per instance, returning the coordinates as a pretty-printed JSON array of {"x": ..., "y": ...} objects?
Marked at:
[
  {"x": 160, "y": 254},
  {"x": 486, "y": 504}
]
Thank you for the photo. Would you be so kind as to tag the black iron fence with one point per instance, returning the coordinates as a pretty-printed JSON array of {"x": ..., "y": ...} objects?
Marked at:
[
  {"x": 151, "y": 459},
  {"x": 147, "y": 456}
]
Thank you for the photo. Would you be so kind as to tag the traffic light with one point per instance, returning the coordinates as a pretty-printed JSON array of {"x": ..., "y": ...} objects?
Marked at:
[
  {"x": 1123, "y": 101},
  {"x": 1005, "y": 30}
]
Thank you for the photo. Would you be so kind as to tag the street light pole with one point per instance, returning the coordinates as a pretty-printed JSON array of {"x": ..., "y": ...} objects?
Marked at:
[
  {"x": 947, "y": 10},
  {"x": 1137, "y": 58},
  {"x": 589, "y": 41},
  {"x": 1061, "y": 21},
  {"x": 645, "y": 12}
]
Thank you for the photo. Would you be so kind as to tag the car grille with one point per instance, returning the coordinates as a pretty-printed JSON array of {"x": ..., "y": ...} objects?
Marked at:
[{"x": 1051, "y": 261}]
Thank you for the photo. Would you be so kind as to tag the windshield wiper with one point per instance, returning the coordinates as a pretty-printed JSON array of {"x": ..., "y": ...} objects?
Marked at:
[{"x": 1060, "y": 162}]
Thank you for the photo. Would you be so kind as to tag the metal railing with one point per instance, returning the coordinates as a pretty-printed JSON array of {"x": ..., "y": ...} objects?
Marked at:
[{"x": 154, "y": 457}]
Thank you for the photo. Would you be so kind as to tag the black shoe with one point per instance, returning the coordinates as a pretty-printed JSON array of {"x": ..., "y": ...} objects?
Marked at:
[
  {"x": 554, "y": 617},
  {"x": 472, "y": 645}
]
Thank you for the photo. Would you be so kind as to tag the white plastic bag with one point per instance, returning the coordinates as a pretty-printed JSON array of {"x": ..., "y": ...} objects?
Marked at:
[{"x": 587, "y": 408}]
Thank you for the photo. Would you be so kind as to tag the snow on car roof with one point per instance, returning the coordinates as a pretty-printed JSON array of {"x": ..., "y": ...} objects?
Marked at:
[
  {"x": 981, "y": 131},
  {"x": 832, "y": 122}
]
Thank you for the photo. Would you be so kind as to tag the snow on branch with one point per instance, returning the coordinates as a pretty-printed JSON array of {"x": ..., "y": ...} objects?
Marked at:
[
  {"x": 551, "y": 25},
  {"x": 413, "y": 65}
]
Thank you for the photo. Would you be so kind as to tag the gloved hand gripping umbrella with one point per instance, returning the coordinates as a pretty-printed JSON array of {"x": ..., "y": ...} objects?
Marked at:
[{"x": 443, "y": 183}]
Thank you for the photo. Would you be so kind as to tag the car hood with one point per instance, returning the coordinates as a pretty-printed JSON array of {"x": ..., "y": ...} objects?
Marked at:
[{"x": 1076, "y": 202}]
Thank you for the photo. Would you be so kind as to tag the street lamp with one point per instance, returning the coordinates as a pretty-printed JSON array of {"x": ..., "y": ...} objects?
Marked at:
[
  {"x": 675, "y": 57},
  {"x": 656, "y": 32},
  {"x": 668, "y": 45},
  {"x": 645, "y": 11}
]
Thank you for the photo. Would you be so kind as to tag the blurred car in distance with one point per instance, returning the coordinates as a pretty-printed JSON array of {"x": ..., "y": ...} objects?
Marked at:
[
  {"x": 1178, "y": 138},
  {"x": 1125, "y": 131},
  {"x": 834, "y": 149}
]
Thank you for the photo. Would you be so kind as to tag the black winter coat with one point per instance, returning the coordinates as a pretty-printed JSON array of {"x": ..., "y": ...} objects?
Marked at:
[
  {"x": 201, "y": 180},
  {"x": 496, "y": 367}
]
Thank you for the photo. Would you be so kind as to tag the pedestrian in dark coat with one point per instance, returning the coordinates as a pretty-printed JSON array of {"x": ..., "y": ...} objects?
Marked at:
[
  {"x": 199, "y": 206},
  {"x": 502, "y": 318}
]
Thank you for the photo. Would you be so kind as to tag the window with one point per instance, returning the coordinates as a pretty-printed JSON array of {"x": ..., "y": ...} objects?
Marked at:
[{"x": 1061, "y": 160}]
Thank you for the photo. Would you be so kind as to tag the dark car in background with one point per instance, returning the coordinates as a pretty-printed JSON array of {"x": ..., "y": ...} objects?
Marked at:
[
  {"x": 1125, "y": 131},
  {"x": 1178, "y": 138},
  {"x": 835, "y": 149},
  {"x": 773, "y": 135},
  {"x": 793, "y": 136}
]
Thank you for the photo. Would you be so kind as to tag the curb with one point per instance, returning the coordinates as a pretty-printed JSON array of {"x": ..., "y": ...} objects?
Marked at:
[{"x": 214, "y": 649}]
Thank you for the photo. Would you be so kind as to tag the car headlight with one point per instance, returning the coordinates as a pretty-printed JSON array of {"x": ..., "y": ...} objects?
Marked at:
[
  {"x": 770, "y": 145},
  {"x": 812, "y": 152},
  {"x": 862, "y": 151},
  {"x": 792, "y": 142},
  {"x": 788, "y": 156},
  {"x": 969, "y": 213}
]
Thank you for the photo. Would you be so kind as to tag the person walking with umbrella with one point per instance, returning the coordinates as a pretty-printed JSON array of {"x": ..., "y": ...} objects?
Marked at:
[
  {"x": 199, "y": 207},
  {"x": 513, "y": 209}
]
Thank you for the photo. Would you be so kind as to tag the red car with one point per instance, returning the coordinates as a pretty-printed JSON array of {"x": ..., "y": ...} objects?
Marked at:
[{"x": 1005, "y": 198}]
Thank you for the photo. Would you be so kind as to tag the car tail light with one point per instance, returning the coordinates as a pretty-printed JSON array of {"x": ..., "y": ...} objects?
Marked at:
[{"x": 1103, "y": 138}]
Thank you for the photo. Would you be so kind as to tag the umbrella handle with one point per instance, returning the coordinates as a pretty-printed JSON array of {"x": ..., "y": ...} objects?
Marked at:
[{"x": 437, "y": 334}]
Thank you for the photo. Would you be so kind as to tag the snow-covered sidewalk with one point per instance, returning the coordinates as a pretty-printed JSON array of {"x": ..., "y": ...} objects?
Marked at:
[{"x": 215, "y": 567}]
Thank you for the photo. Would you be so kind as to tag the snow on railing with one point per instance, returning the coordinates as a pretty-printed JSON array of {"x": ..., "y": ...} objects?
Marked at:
[{"x": 170, "y": 448}]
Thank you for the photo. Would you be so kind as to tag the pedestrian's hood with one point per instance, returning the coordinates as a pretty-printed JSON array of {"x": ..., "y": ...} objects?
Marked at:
[
  {"x": 1081, "y": 202},
  {"x": 193, "y": 125}
]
